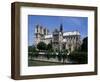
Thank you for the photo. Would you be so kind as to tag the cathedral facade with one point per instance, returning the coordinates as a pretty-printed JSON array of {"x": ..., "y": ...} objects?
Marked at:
[{"x": 58, "y": 38}]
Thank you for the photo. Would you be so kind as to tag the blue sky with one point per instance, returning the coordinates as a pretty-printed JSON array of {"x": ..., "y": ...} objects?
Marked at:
[{"x": 51, "y": 22}]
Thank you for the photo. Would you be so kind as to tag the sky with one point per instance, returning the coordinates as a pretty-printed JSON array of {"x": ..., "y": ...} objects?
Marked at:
[{"x": 51, "y": 22}]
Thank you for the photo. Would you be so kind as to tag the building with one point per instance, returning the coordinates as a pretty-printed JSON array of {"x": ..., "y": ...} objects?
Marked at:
[{"x": 58, "y": 38}]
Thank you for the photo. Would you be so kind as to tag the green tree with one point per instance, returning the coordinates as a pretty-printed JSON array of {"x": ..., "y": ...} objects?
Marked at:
[
  {"x": 29, "y": 48},
  {"x": 54, "y": 54},
  {"x": 64, "y": 55},
  {"x": 42, "y": 46},
  {"x": 31, "y": 51},
  {"x": 49, "y": 47},
  {"x": 84, "y": 46},
  {"x": 48, "y": 55},
  {"x": 59, "y": 55},
  {"x": 78, "y": 57}
]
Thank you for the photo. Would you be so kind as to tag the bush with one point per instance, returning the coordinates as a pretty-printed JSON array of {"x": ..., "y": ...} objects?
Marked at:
[{"x": 78, "y": 57}]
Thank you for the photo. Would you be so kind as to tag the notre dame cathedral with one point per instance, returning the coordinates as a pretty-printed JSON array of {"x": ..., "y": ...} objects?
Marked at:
[{"x": 58, "y": 38}]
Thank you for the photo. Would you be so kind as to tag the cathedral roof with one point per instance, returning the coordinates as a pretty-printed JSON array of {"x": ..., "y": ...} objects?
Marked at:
[
  {"x": 71, "y": 33},
  {"x": 64, "y": 34}
]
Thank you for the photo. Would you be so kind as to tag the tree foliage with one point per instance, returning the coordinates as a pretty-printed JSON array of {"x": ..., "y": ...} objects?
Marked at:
[
  {"x": 78, "y": 57},
  {"x": 42, "y": 46},
  {"x": 30, "y": 48},
  {"x": 49, "y": 47},
  {"x": 84, "y": 46}
]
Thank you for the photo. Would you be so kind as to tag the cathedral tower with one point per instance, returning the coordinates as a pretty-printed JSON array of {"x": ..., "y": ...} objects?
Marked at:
[{"x": 40, "y": 32}]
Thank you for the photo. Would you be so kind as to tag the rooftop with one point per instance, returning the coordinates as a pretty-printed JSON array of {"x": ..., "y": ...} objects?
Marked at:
[
  {"x": 64, "y": 34},
  {"x": 71, "y": 33}
]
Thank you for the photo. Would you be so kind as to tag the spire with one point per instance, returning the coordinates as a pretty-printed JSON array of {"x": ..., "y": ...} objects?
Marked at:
[
  {"x": 37, "y": 25},
  {"x": 61, "y": 28}
]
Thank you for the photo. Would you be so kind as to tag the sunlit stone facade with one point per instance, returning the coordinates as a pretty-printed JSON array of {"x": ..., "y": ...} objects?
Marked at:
[{"x": 60, "y": 40}]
